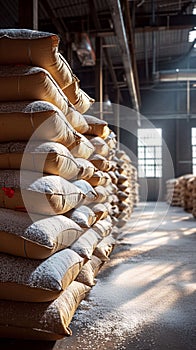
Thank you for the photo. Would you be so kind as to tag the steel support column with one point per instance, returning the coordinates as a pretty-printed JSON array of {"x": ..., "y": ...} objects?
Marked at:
[
  {"x": 28, "y": 14},
  {"x": 99, "y": 75},
  {"x": 118, "y": 21}
]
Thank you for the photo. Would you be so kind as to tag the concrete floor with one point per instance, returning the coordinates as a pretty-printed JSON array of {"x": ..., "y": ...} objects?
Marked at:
[{"x": 145, "y": 296}]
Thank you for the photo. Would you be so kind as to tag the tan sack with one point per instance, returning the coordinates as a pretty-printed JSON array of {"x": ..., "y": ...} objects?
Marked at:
[
  {"x": 103, "y": 227},
  {"x": 123, "y": 205},
  {"x": 109, "y": 208},
  {"x": 111, "y": 140},
  {"x": 83, "y": 216},
  {"x": 46, "y": 195},
  {"x": 100, "y": 162},
  {"x": 35, "y": 48},
  {"x": 87, "y": 189},
  {"x": 49, "y": 157},
  {"x": 41, "y": 321},
  {"x": 38, "y": 280},
  {"x": 99, "y": 178},
  {"x": 36, "y": 239},
  {"x": 77, "y": 120},
  {"x": 82, "y": 148},
  {"x": 96, "y": 179},
  {"x": 100, "y": 145},
  {"x": 104, "y": 248},
  {"x": 89, "y": 271},
  {"x": 122, "y": 195},
  {"x": 96, "y": 126},
  {"x": 87, "y": 169},
  {"x": 113, "y": 199},
  {"x": 86, "y": 244},
  {"x": 102, "y": 194},
  {"x": 113, "y": 177},
  {"x": 100, "y": 210},
  {"x": 30, "y": 83},
  {"x": 81, "y": 101},
  {"x": 40, "y": 120}
]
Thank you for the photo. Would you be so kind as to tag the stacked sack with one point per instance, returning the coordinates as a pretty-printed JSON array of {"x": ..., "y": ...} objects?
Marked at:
[
  {"x": 185, "y": 193},
  {"x": 191, "y": 186},
  {"x": 99, "y": 190},
  {"x": 42, "y": 154},
  {"x": 173, "y": 192},
  {"x": 135, "y": 185},
  {"x": 60, "y": 188},
  {"x": 127, "y": 187},
  {"x": 182, "y": 192}
]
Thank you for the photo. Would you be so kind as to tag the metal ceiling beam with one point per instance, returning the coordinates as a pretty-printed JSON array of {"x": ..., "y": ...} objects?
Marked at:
[
  {"x": 119, "y": 26},
  {"x": 172, "y": 22},
  {"x": 143, "y": 21},
  {"x": 130, "y": 34},
  {"x": 176, "y": 75}
]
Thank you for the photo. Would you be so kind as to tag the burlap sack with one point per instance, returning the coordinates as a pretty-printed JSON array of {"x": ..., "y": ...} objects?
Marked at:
[
  {"x": 89, "y": 271},
  {"x": 82, "y": 148},
  {"x": 90, "y": 193},
  {"x": 100, "y": 162},
  {"x": 31, "y": 47},
  {"x": 104, "y": 248},
  {"x": 46, "y": 195},
  {"x": 100, "y": 145},
  {"x": 96, "y": 126},
  {"x": 41, "y": 321},
  {"x": 87, "y": 169},
  {"x": 40, "y": 120},
  {"x": 83, "y": 216},
  {"x": 30, "y": 83},
  {"x": 100, "y": 178},
  {"x": 77, "y": 120},
  {"x": 103, "y": 227},
  {"x": 36, "y": 240},
  {"x": 81, "y": 101},
  {"x": 38, "y": 280},
  {"x": 85, "y": 245},
  {"x": 49, "y": 157},
  {"x": 100, "y": 210}
]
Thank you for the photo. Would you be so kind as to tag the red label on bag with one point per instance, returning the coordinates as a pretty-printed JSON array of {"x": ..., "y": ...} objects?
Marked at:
[{"x": 9, "y": 192}]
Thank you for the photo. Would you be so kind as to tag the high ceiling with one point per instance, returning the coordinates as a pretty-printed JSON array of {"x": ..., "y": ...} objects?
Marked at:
[{"x": 132, "y": 40}]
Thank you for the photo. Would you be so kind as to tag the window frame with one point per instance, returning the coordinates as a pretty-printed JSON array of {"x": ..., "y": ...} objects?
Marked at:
[{"x": 149, "y": 149}]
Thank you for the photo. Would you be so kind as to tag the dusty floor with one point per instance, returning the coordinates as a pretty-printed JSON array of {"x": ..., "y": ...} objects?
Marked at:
[{"x": 145, "y": 296}]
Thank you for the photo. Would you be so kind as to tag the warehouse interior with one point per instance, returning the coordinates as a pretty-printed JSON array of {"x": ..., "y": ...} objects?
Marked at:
[{"x": 137, "y": 60}]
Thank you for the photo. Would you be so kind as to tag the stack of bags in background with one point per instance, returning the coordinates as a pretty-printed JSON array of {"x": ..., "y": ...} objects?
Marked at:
[
  {"x": 61, "y": 188},
  {"x": 173, "y": 192},
  {"x": 185, "y": 193},
  {"x": 182, "y": 192},
  {"x": 191, "y": 186}
]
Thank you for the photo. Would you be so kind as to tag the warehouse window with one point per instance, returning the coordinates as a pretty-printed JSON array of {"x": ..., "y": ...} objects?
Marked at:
[
  {"x": 150, "y": 152},
  {"x": 192, "y": 36},
  {"x": 192, "y": 32},
  {"x": 193, "y": 139}
]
